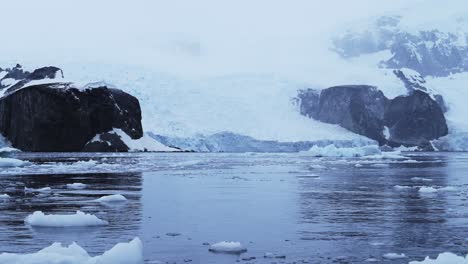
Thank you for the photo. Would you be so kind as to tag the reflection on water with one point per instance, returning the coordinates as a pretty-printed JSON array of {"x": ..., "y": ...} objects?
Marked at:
[
  {"x": 292, "y": 205},
  {"x": 15, "y": 236}
]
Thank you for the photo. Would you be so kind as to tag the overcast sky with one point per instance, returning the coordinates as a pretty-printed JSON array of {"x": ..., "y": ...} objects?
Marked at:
[{"x": 202, "y": 35}]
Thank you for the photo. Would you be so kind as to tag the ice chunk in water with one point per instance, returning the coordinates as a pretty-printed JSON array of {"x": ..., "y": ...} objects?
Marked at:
[
  {"x": 79, "y": 219},
  {"x": 122, "y": 253},
  {"x": 112, "y": 198},
  {"x": 76, "y": 185},
  {"x": 444, "y": 258},
  {"x": 9, "y": 162},
  {"x": 228, "y": 247},
  {"x": 394, "y": 256}
]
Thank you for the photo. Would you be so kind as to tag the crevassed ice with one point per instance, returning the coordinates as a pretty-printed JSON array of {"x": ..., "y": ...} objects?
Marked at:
[{"x": 121, "y": 253}]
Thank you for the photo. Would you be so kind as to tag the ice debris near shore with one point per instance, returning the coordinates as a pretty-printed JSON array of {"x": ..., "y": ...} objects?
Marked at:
[
  {"x": 114, "y": 198},
  {"x": 443, "y": 258},
  {"x": 79, "y": 219},
  {"x": 228, "y": 248},
  {"x": 369, "y": 152},
  {"x": 10, "y": 162},
  {"x": 121, "y": 253}
]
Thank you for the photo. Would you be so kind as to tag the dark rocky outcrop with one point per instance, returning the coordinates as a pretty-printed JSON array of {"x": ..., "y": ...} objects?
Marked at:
[
  {"x": 358, "y": 108},
  {"x": 411, "y": 120},
  {"x": 414, "y": 120},
  {"x": 59, "y": 117}
]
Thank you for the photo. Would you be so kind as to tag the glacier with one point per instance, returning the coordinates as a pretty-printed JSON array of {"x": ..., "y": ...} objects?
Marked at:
[{"x": 197, "y": 90}]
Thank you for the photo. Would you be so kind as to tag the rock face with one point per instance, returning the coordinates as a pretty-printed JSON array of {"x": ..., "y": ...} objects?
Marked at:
[
  {"x": 411, "y": 120},
  {"x": 358, "y": 108},
  {"x": 414, "y": 120},
  {"x": 60, "y": 117}
]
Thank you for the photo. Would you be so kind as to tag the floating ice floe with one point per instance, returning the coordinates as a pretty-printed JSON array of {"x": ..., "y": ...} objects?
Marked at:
[
  {"x": 85, "y": 163},
  {"x": 401, "y": 187},
  {"x": 114, "y": 198},
  {"x": 429, "y": 189},
  {"x": 4, "y": 196},
  {"x": 79, "y": 219},
  {"x": 444, "y": 258},
  {"x": 40, "y": 190},
  {"x": 394, "y": 256},
  {"x": 228, "y": 247},
  {"x": 122, "y": 253},
  {"x": 417, "y": 179},
  {"x": 76, "y": 185},
  {"x": 333, "y": 151},
  {"x": 10, "y": 162}
]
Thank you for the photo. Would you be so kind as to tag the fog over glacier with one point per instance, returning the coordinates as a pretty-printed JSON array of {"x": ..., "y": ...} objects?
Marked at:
[
  {"x": 182, "y": 37},
  {"x": 212, "y": 66}
]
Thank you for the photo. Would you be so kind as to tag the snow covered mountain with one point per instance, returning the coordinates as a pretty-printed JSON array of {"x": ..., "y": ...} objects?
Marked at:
[{"x": 204, "y": 90}]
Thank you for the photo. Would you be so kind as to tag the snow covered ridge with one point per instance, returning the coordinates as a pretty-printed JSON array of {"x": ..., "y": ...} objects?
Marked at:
[
  {"x": 122, "y": 253},
  {"x": 427, "y": 51}
]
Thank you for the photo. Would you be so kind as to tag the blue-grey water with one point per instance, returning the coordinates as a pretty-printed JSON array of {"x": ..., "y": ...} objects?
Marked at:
[{"x": 307, "y": 209}]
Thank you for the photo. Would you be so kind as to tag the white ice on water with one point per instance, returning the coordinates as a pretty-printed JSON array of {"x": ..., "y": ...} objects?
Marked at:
[
  {"x": 365, "y": 152},
  {"x": 444, "y": 258},
  {"x": 79, "y": 219},
  {"x": 10, "y": 162},
  {"x": 333, "y": 151},
  {"x": 121, "y": 253},
  {"x": 41, "y": 190},
  {"x": 228, "y": 247},
  {"x": 394, "y": 256},
  {"x": 112, "y": 198},
  {"x": 76, "y": 185}
]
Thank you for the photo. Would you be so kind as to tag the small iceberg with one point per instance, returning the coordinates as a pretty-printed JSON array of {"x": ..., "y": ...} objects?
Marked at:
[
  {"x": 76, "y": 185},
  {"x": 426, "y": 189},
  {"x": 40, "y": 190},
  {"x": 443, "y": 258},
  {"x": 79, "y": 219},
  {"x": 4, "y": 196},
  {"x": 10, "y": 163},
  {"x": 228, "y": 248},
  {"x": 114, "y": 198},
  {"x": 122, "y": 253},
  {"x": 394, "y": 256}
]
